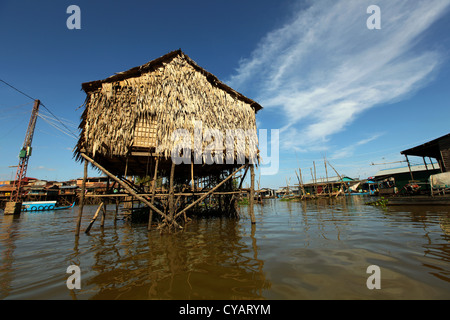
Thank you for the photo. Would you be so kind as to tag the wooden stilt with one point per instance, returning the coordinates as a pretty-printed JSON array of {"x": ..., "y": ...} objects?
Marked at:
[
  {"x": 192, "y": 177},
  {"x": 326, "y": 174},
  {"x": 81, "y": 205},
  {"x": 155, "y": 176},
  {"x": 252, "y": 194},
  {"x": 171, "y": 192},
  {"x": 117, "y": 209},
  {"x": 342, "y": 184},
  {"x": 301, "y": 182},
  {"x": 94, "y": 218},
  {"x": 194, "y": 184},
  {"x": 104, "y": 214}
]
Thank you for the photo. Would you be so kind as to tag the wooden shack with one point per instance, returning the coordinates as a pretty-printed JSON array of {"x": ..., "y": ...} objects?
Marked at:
[
  {"x": 137, "y": 122},
  {"x": 438, "y": 149}
]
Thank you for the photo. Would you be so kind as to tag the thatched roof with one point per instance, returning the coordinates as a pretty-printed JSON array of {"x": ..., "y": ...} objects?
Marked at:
[{"x": 139, "y": 109}]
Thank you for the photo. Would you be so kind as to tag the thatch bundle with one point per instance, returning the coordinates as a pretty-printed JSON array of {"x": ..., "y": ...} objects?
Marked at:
[{"x": 141, "y": 108}]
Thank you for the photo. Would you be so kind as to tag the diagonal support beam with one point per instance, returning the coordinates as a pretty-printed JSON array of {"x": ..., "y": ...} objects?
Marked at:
[
  {"x": 130, "y": 190},
  {"x": 209, "y": 192}
]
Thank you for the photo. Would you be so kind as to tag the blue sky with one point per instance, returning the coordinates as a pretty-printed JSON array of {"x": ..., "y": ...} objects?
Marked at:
[{"x": 332, "y": 87}]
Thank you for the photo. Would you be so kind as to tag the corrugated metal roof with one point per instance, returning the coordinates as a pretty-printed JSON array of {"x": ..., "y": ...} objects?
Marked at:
[{"x": 420, "y": 167}]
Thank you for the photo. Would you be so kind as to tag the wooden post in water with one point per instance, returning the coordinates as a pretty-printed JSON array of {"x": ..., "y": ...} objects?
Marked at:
[
  {"x": 252, "y": 194},
  {"x": 313, "y": 190},
  {"x": 83, "y": 190},
  {"x": 342, "y": 184},
  {"x": 102, "y": 224},
  {"x": 155, "y": 176},
  {"x": 301, "y": 182},
  {"x": 117, "y": 209},
  {"x": 171, "y": 192},
  {"x": 94, "y": 218},
  {"x": 192, "y": 177}
]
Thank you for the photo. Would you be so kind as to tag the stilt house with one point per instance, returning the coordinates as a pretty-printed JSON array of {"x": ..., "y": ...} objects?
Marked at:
[{"x": 135, "y": 121}]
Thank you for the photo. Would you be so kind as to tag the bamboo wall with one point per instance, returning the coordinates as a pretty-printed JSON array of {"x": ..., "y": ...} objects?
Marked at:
[{"x": 144, "y": 111}]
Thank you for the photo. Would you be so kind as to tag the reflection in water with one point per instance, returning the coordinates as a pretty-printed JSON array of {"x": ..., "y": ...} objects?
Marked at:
[
  {"x": 10, "y": 226},
  {"x": 211, "y": 259},
  {"x": 297, "y": 250}
]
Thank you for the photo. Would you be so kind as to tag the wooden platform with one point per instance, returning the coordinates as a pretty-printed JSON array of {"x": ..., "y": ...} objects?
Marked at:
[{"x": 13, "y": 208}]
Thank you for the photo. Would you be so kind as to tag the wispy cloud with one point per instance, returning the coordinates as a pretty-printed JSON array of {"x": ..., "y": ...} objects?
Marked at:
[
  {"x": 324, "y": 67},
  {"x": 350, "y": 149},
  {"x": 44, "y": 168}
]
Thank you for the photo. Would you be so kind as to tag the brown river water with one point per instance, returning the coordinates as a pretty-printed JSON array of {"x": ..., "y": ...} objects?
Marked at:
[{"x": 296, "y": 250}]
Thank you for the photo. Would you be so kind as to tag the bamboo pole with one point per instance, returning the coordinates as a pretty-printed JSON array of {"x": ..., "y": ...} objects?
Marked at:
[
  {"x": 171, "y": 192},
  {"x": 326, "y": 174},
  {"x": 252, "y": 194},
  {"x": 192, "y": 177},
  {"x": 129, "y": 189},
  {"x": 340, "y": 178},
  {"x": 155, "y": 176},
  {"x": 209, "y": 192},
  {"x": 315, "y": 178},
  {"x": 94, "y": 218},
  {"x": 102, "y": 224},
  {"x": 83, "y": 189},
  {"x": 301, "y": 181},
  {"x": 298, "y": 179},
  {"x": 117, "y": 209}
]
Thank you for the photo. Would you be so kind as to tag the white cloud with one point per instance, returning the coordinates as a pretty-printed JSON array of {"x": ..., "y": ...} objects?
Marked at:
[
  {"x": 44, "y": 168},
  {"x": 349, "y": 150},
  {"x": 324, "y": 67}
]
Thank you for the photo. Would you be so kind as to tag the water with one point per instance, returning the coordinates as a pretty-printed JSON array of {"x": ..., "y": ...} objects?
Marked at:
[{"x": 296, "y": 250}]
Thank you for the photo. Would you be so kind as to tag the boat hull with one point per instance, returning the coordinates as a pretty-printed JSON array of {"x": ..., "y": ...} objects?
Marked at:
[{"x": 42, "y": 206}]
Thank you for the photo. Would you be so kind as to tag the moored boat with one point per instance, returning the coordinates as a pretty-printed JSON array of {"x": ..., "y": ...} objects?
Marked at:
[{"x": 42, "y": 206}]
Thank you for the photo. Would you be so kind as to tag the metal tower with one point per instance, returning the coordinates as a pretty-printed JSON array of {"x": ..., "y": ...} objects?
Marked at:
[{"x": 24, "y": 155}]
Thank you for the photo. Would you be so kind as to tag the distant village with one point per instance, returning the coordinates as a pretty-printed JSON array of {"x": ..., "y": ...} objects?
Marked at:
[
  {"x": 408, "y": 180},
  {"x": 66, "y": 192},
  {"x": 384, "y": 183}
]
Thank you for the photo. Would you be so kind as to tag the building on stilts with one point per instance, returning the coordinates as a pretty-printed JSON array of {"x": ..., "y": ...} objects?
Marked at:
[{"x": 172, "y": 137}]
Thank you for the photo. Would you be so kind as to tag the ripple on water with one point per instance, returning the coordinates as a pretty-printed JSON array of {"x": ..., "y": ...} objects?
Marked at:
[{"x": 296, "y": 250}]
